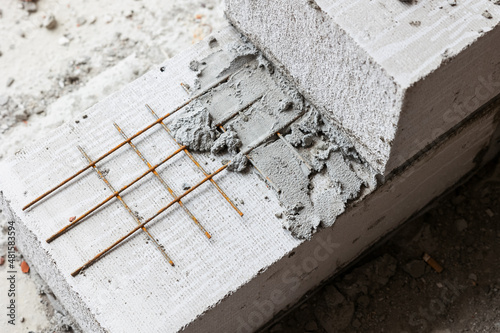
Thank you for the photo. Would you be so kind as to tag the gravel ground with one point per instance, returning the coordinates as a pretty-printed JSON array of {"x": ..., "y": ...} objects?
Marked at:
[{"x": 59, "y": 57}]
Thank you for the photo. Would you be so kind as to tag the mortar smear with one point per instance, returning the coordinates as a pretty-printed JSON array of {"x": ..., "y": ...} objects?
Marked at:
[{"x": 194, "y": 128}]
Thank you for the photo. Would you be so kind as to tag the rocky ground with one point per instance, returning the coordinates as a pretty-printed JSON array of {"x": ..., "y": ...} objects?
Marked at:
[
  {"x": 394, "y": 290},
  {"x": 59, "y": 57}
]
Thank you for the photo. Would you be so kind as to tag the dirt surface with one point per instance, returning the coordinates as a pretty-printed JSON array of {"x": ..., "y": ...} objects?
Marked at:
[{"x": 394, "y": 290}]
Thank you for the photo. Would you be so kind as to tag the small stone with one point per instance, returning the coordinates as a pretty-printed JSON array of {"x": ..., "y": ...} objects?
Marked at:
[
  {"x": 108, "y": 19},
  {"x": 128, "y": 13},
  {"x": 83, "y": 60},
  {"x": 2, "y": 260},
  {"x": 10, "y": 81},
  {"x": 72, "y": 219},
  {"x": 308, "y": 140},
  {"x": 356, "y": 323},
  {"x": 311, "y": 326},
  {"x": 212, "y": 42},
  {"x": 487, "y": 14},
  {"x": 473, "y": 277},
  {"x": 21, "y": 33},
  {"x": 20, "y": 115},
  {"x": 461, "y": 225},
  {"x": 457, "y": 200},
  {"x": 279, "y": 215},
  {"x": 194, "y": 65},
  {"x": 22, "y": 319},
  {"x": 49, "y": 22},
  {"x": 416, "y": 268},
  {"x": 496, "y": 2},
  {"x": 452, "y": 2},
  {"x": 335, "y": 313},
  {"x": 4, "y": 100},
  {"x": 363, "y": 301},
  {"x": 30, "y": 7},
  {"x": 489, "y": 212},
  {"x": 185, "y": 187},
  {"x": 80, "y": 21},
  {"x": 25, "y": 268},
  {"x": 63, "y": 41},
  {"x": 92, "y": 19}
]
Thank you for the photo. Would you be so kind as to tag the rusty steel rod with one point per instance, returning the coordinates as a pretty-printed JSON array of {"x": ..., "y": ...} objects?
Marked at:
[
  {"x": 208, "y": 177},
  {"x": 191, "y": 157},
  {"x": 103, "y": 177},
  {"x": 163, "y": 182},
  {"x": 109, "y": 248},
  {"x": 72, "y": 224},
  {"x": 125, "y": 142}
]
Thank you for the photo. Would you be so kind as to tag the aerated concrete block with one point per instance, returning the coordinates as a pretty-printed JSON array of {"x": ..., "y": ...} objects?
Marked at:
[
  {"x": 254, "y": 265},
  {"x": 394, "y": 75}
]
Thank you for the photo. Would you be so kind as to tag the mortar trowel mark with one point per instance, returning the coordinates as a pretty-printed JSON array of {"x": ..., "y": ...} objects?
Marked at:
[
  {"x": 103, "y": 177},
  {"x": 234, "y": 114},
  {"x": 256, "y": 168},
  {"x": 162, "y": 181},
  {"x": 294, "y": 151}
]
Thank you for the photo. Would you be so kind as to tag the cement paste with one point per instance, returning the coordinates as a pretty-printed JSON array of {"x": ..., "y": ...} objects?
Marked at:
[
  {"x": 194, "y": 128},
  {"x": 314, "y": 167}
]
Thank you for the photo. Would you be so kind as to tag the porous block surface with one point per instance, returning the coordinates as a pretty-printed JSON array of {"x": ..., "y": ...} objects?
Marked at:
[
  {"x": 133, "y": 288},
  {"x": 394, "y": 75}
]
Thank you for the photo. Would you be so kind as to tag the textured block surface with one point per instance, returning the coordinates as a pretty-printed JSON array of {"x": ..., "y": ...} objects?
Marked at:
[
  {"x": 134, "y": 289},
  {"x": 252, "y": 267},
  {"x": 394, "y": 75}
]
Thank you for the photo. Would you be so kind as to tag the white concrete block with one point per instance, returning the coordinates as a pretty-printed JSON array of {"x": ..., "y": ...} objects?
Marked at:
[
  {"x": 252, "y": 267},
  {"x": 331, "y": 249},
  {"x": 134, "y": 289},
  {"x": 395, "y": 75}
]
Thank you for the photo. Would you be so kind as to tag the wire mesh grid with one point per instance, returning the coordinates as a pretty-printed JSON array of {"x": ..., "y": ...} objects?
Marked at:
[{"x": 117, "y": 194}]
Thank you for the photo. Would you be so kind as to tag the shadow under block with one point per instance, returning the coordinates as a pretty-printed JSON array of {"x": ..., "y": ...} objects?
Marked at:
[{"x": 394, "y": 75}]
